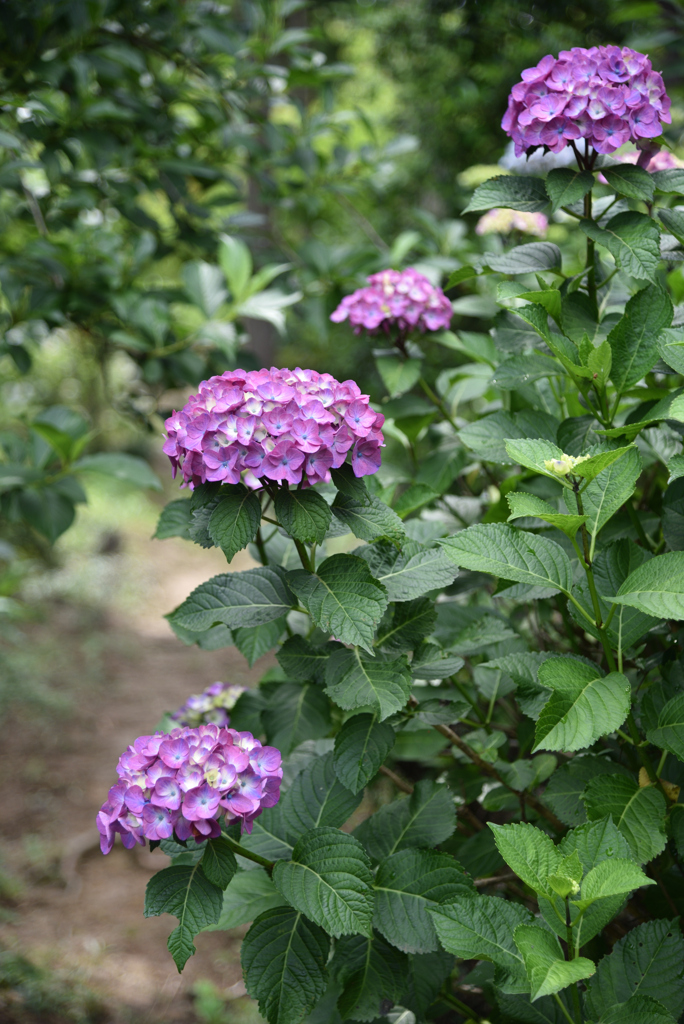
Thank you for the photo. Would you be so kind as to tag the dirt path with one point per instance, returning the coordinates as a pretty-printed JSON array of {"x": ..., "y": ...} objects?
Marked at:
[{"x": 79, "y": 911}]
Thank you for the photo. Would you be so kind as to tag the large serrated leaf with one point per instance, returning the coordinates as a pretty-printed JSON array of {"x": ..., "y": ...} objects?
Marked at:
[
  {"x": 249, "y": 894},
  {"x": 411, "y": 622},
  {"x": 284, "y": 960},
  {"x": 236, "y": 599},
  {"x": 608, "y": 492},
  {"x": 368, "y": 518},
  {"x": 669, "y": 733},
  {"x": 235, "y": 520},
  {"x": 426, "y": 818},
  {"x": 523, "y": 505},
  {"x": 530, "y": 258},
  {"x": 361, "y": 746},
  {"x": 329, "y": 880},
  {"x": 638, "y": 812},
  {"x": 409, "y": 573},
  {"x": 547, "y": 969},
  {"x": 566, "y": 186},
  {"x": 584, "y": 704},
  {"x": 630, "y": 181},
  {"x": 174, "y": 520},
  {"x": 406, "y": 885},
  {"x": 481, "y": 928},
  {"x": 186, "y": 892},
  {"x": 353, "y": 681},
  {"x": 633, "y": 340},
  {"x": 656, "y": 587},
  {"x": 512, "y": 192},
  {"x": 316, "y": 798},
  {"x": 295, "y": 713},
  {"x": 637, "y": 1010},
  {"x": 303, "y": 661},
  {"x": 633, "y": 239},
  {"x": 613, "y": 877},
  {"x": 511, "y": 554},
  {"x": 343, "y": 598},
  {"x": 304, "y": 514},
  {"x": 529, "y": 852},
  {"x": 373, "y": 976},
  {"x": 218, "y": 862}
]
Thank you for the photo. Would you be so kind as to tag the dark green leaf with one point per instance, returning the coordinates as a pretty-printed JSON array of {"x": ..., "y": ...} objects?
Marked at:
[
  {"x": 236, "y": 599},
  {"x": 218, "y": 862},
  {"x": 566, "y": 186},
  {"x": 302, "y": 661},
  {"x": 639, "y": 812},
  {"x": 174, "y": 520},
  {"x": 317, "y": 798},
  {"x": 373, "y": 976},
  {"x": 633, "y": 339},
  {"x": 368, "y": 518},
  {"x": 304, "y": 514},
  {"x": 187, "y": 893},
  {"x": 235, "y": 520},
  {"x": 633, "y": 239},
  {"x": 530, "y": 258},
  {"x": 426, "y": 818},
  {"x": 353, "y": 681},
  {"x": 295, "y": 713},
  {"x": 361, "y": 746},
  {"x": 512, "y": 192},
  {"x": 630, "y": 181}
]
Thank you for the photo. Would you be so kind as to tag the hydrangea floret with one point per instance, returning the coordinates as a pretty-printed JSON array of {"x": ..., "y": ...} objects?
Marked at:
[
  {"x": 403, "y": 300},
  {"x": 282, "y": 426},
  {"x": 604, "y": 95},
  {"x": 212, "y": 705},
  {"x": 181, "y": 783},
  {"x": 564, "y": 465}
]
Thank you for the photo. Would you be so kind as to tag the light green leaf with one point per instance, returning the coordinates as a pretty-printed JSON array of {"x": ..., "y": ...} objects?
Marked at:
[
  {"x": 630, "y": 181},
  {"x": 373, "y": 976},
  {"x": 567, "y": 876},
  {"x": 361, "y": 746},
  {"x": 409, "y": 573},
  {"x": 127, "y": 468},
  {"x": 343, "y": 598},
  {"x": 316, "y": 798},
  {"x": 284, "y": 960},
  {"x": 329, "y": 880},
  {"x": 656, "y": 587},
  {"x": 481, "y": 928},
  {"x": 354, "y": 682},
  {"x": 530, "y": 258},
  {"x": 186, "y": 892},
  {"x": 584, "y": 704},
  {"x": 669, "y": 181},
  {"x": 235, "y": 520},
  {"x": 633, "y": 239},
  {"x": 529, "y": 852},
  {"x": 670, "y": 344},
  {"x": 368, "y": 518},
  {"x": 236, "y": 263},
  {"x": 236, "y": 599},
  {"x": 512, "y": 192},
  {"x": 566, "y": 186},
  {"x": 511, "y": 555},
  {"x": 426, "y": 818},
  {"x": 637, "y": 1010},
  {"x": 523, "y": 505},
  {"x": 204, "y": 286},
  {"x": 608, "y": 492},
  {"x": 614, "y": 877},
  {"x": 638, "y": 812},
  {"x": 547, "y": 969},
  {"x": 533, "y": 453},
  {"x": 250, "y": 894},
  {"x": 669, "y": 734},
  {"x": 303, "y": 513},
  {"x": 633, "y": 340},
  {"x": 407, "y": 884},
  {"x": 398, "y": 375}
]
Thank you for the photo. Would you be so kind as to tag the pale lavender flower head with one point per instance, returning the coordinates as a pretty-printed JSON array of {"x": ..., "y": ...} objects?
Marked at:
[
  {"x": 181, "y": 783},
  {"x": 212, "y": 705},
  {"x": 401, "y": 299},
  {"x": 283, "y": 426},
  {"x": 606, "y": 95}
]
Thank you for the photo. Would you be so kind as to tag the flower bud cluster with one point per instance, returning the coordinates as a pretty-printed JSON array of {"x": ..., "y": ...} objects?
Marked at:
[
  {"x": 564, "y": 465},
  {"x": 212, "y": 705},
  {"x": 278, "y": 425},
  {"x": 396, "y": 298},
  {"x": 504, "y": 221},
  {"x": 183, "y": 781},
  {"x": 607, "y": 95}
]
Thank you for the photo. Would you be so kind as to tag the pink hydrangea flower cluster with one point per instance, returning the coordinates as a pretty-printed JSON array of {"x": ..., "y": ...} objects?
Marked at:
[
  {"x": 212, "y": 705},
  {"x": 183, "y": 781},
  {"x": 396, "y": 298},
  {"x": 277, "y": 425},
  {"x": 607, "y": 95}
]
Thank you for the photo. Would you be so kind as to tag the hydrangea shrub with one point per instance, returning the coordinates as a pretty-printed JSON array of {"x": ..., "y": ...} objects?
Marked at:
[{"x": 479, "y": 693}]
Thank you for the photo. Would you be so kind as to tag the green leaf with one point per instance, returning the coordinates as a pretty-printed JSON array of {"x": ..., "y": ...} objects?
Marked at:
[
  {"x": 669, "y": 181},
  {"x": 237, "y": 599},
  {"x": 353, "y": 681},
  {"x": 398, "y": 375},
  {"x": 633, "y": 239},
  {"x": 614, "y": 877},
  {"x": 284, "y": 960},
  {"x": 630, "y": 181},
  {"x": 218, "y": 862},
  {"x": 303, "y": 661},
  {"x": 638, "y": 812},
  {"x": 637, "y": 1010},
  {"x": 187, "y": 893},
  {"x": 608, "y": 492},
  {"x": 674, "y": 222},
  {"x": 426, "y": 818},
  {"x": 127, "y": 468},
  {"x": 511, "y": 554},
  {"x": 368, "y": 518},
  {"x": 656, "y": 587},
  {"x": 235, "y": 520},
  {"x": 596, "y": 464},
  {"x": 407, "y": 884},
  {"x": 633, "y": 340},
  {"x": 530, "y": 258},
  {"x": 343, "y": 598},
  {"x": 409, "y": 573},
  {"x": 204, "y": 285},
  {"x": 295, "y": 713},
  {"x": 329, "y": 880},
  {"x": 481, "y": 928},
  {"x": 512, "y": 192},
  {"x": 584, "y": 704},
  {"x": 361, "y": 746},
  {"x": 174, "y": 520},
  {"x": 595, "y": 841},
  {"x": 533, "y": 453},
  {"x": 523, "y": 505},
  {"x": 529, "y": 852},
  {"x": 255, "y": 641},
  {"x": 410, "y": 623},
  {"x": 513, "y": 373},
  {"x": 566, "y": 186},
  {"x": 567, "y": 876},
  {"x": 373, "y": 976},
  {"x": 648, "y": 961},
  {"x": 267, "y": 837},
  {"x": 304, "y": 514},
  {"x": 670, "y": 345},
  {"x": 547, "y": 969},
  {"x": 236, "y": 263},
  {"x": 669, "y": 734},
  {"x": 316, "y": 798},
  {"x": 250, "y": 894},
  {"x": 426, "y": 975}
]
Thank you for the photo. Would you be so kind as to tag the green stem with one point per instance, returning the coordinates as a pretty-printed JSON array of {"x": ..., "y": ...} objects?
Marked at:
[
  {"x": 261, "y": 547},
  {"x": 247, "y": 854},
  {"x": 303, "y": 557},
  {"x": 462, "y": 1008},
  {"x": 591, "y": 254},
  {"x": 564, "y": 1011},
  {"x": 471, "y": 700},
  {"x": 661, "y": 763},
  {"x": 637, "y": 524},
  {"x": 437, "y": 402}
]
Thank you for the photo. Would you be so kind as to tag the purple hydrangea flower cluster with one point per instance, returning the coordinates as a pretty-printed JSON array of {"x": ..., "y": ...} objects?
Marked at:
[
  {"x": 278, "y": 425},
  {"x": 212, "y": 705},
  {"x": 401, "y": 298},
  {"x": 183, "y": 781},
  {"x": 607, "y": 95}
]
